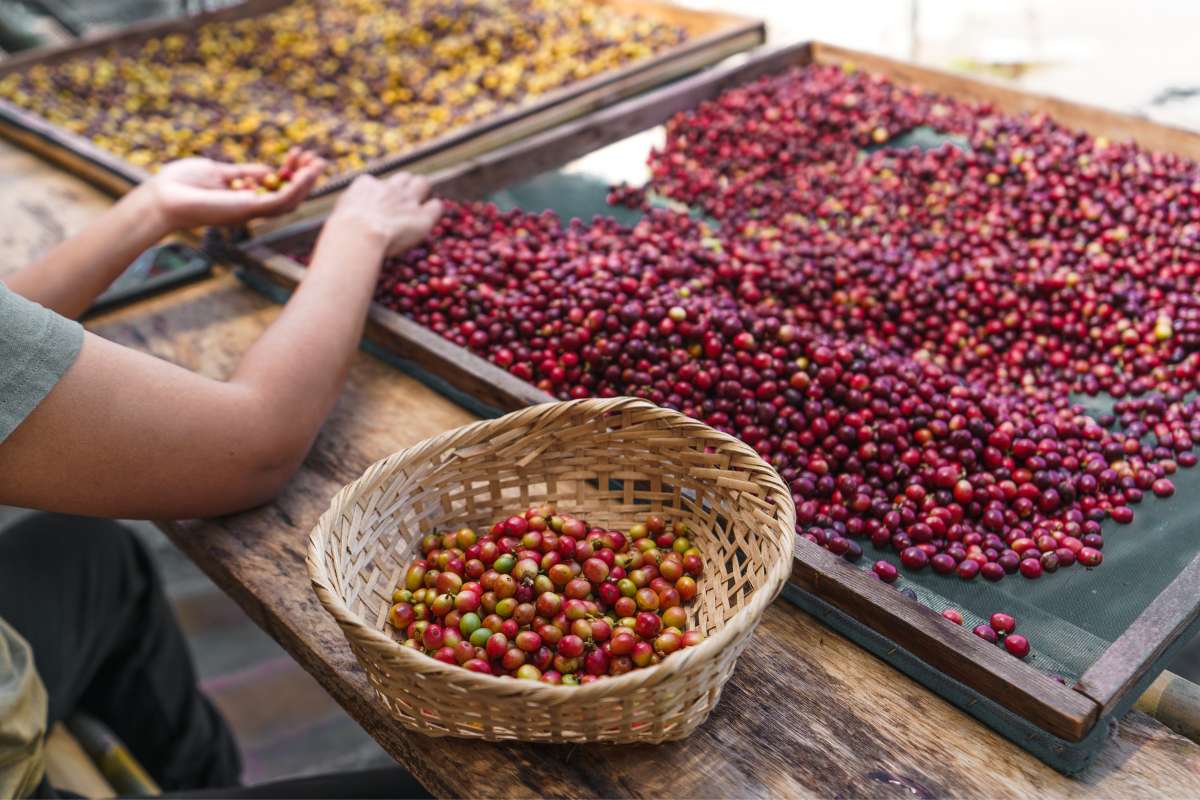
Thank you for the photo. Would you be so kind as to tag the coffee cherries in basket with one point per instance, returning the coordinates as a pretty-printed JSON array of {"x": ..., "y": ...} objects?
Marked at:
[{"x": 544, "y": 596}]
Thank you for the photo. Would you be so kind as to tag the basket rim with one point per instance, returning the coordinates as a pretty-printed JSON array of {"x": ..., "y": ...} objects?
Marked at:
[{"x": 354, "y": 625}]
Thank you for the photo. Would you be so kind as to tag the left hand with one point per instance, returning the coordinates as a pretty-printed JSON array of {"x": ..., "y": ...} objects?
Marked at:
[{"x": 195, "y": 191}]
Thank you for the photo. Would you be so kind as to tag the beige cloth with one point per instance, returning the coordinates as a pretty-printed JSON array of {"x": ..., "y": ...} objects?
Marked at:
[{"x": 22, "y": 717}]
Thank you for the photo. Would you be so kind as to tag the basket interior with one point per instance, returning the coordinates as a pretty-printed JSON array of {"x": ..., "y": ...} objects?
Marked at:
[{"x": 612, "y": 471}]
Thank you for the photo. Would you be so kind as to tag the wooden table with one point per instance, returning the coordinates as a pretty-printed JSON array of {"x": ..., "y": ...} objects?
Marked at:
[{"x": 806, "y": 713}]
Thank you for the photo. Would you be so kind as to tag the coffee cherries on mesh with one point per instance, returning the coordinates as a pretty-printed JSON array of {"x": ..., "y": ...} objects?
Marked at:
[
  {"x": 545, "y": 596},
  {"x": 901, "y": 333},
  {"x": 998, "y": 630}
]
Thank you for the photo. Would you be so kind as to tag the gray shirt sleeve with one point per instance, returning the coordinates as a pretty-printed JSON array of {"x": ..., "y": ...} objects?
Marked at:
[{"x": 37, "y": 346}]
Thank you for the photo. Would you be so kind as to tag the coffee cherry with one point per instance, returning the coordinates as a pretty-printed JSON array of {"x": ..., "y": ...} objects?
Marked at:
[
  {"x": 914, "y": 558},
  {"x": 1031, "y": 568},
  {"x": 647, "y": 624},
  {"x": 1163, "y": 487},
  {"x": 942, "y": 563},
  {"x": 515, "y": 619},
  {"x": 1016, "y": 644},
  {"x": 647, "y": 599},
  {"x": 953, "y": 615},
  {"x": 967, "y": 569},
  {"x": 478, "y": 665},
  {"x": 596, "y": 662},
  {"x": 986, "y": 632},
  {"x": 595, "y": 570},
  {"x": 1003, "y": 623},
  {"x": 570, "y": 646},
  {"x": 401, "y": 615},
  {"x": 674, "y": 617}
]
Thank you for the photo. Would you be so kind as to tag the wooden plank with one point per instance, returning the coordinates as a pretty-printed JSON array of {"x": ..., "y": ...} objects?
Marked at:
[
  {"x": 1130, "y": 657},
  {"x": 806, "y": 713},
  {"x": 950, "y": 648},
  {"x": 40, "y": 207},
  {"x": 712, "y": 36},
  {"x": 1175, "y": 702},
  {"x": 75, "y": 154}
]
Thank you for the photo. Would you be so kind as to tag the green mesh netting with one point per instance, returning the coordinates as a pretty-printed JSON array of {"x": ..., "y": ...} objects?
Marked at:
[{"x": 1071, "y": 616}]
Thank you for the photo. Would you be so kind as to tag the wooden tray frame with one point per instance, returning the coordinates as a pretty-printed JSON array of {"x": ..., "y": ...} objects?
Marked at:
[
  {"x": 712, "y": 36},
  {"x": 1068, "y": 713}
]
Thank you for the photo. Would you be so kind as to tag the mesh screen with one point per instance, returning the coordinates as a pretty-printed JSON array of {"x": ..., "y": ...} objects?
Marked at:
[
  {"x": 1070, "y": 616},
  {"x": 1073, "y": 614}
]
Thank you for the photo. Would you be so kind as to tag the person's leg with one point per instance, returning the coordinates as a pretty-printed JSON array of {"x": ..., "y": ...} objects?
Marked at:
[{"x": 86, "y": 596}]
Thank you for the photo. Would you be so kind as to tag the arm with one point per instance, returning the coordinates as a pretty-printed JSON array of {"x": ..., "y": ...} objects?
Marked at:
[
  {"x": 183, "y": 194},
  {"x": 125, "y": 434}
]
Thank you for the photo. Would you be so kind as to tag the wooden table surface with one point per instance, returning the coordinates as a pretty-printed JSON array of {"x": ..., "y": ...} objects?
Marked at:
[{"x": 806, "y": 713}]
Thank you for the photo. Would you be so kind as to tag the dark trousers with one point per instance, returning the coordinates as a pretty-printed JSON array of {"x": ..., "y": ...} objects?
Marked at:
[{"x": 86, "y": 596}]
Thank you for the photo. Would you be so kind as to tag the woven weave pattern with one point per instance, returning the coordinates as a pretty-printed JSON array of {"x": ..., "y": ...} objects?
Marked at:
[{"x": 609, "y": 461}]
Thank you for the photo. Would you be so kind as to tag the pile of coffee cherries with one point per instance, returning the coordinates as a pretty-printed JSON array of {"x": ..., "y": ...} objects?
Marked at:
[
  {"x": 270, "y": 182},
  {"x": 544, "y": 596},
  {"x": 899, "y": 332},
  {"x": 352, "y": 81},
  {"x": 998, "y": 630}
]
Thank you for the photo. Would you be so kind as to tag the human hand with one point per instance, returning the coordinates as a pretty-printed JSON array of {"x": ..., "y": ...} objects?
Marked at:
[
  {"x": 394, "y": 210},
  {"x": 196, "y": 191}
]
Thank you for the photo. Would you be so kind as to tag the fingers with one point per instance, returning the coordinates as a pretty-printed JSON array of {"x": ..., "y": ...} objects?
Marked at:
[
  {"x": 229, "y": 171},
  {"x": 420, "y": 222},
  {"x": 305, "y": 158},
  {"x": 289, "y": 160},
  {"x": 420, "y": 187},
  {"x": 408, "y": 187},
  {"x": 293, "y": 193},
  {"x": 431, "y": 212}
]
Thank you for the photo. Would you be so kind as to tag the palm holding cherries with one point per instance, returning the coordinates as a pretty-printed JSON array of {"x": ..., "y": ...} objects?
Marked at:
[{"x": 199, "y": 191}]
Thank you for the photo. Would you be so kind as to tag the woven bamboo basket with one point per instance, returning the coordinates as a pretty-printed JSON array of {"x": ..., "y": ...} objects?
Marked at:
[{"x": 610, "y": 461}]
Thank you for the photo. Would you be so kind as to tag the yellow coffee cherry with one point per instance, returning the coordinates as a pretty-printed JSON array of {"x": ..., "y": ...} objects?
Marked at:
[{"x": 312, "y": 72}]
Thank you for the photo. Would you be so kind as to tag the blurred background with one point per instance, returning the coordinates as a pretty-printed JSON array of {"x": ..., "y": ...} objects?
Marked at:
[{"x": 1138, "y": 58}]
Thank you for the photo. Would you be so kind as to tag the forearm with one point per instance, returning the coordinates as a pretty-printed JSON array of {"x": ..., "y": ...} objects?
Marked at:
[
  {"x": 107, "y": 439},
  {"x": 70, "y": 277},
  {"x": 298, "y": 366}
]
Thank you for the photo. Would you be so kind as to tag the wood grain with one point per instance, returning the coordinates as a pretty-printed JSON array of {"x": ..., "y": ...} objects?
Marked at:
[
  {"x": 1135, "y": 651},
  {"x": 40, "y": 207},
  {"x": 951, "y": 649},
  {"x": 807, "y": 713}
]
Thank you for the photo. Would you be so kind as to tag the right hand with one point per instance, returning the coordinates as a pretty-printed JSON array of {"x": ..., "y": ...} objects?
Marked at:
[{"x": 394, "y": 209}]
